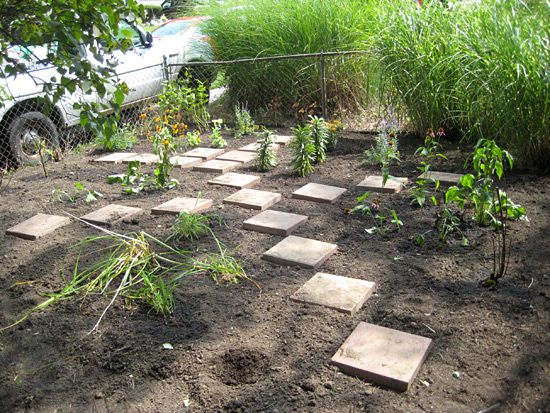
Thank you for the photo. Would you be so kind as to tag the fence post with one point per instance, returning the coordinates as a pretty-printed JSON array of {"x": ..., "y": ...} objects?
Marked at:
[{"x": 323, "y": 86}]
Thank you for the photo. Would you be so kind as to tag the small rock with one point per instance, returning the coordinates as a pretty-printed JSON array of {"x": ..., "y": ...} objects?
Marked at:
[
  {"x": 99, "y": 396},
  {"x": 328, "y": 385}
]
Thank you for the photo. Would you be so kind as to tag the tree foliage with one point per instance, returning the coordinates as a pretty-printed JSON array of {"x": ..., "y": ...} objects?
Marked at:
[{"x": 70, "y": 31}]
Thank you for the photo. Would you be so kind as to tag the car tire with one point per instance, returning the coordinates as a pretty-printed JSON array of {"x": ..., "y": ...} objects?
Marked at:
[{"x": 26, "y": 131}]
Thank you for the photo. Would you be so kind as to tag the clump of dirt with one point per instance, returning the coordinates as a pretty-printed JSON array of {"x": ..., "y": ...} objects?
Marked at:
[{"x": 242, "y": 366}]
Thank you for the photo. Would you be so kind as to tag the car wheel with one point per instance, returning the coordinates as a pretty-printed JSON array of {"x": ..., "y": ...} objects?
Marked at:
[{"x": 28, "y": 133}]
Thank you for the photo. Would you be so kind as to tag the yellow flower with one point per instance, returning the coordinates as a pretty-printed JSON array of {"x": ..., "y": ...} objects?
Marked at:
[
  {"x": 159, "y": 128},
  {"x": 151, "y": 108},
  {"x": 256, "y": 127},
  {"x": 165, "y": 141},
  {"x": 198, "y": 139},
  {"x": 185, "y": 126},
  {"x": 168, "y": 110},
  {"x": 157, "y": 119},
  {"x": 430, "y": 130},
  {"x": 392, "y": 135},
  {"x": 142, "y": 115},
  {"x": 390, "y": 143},
  {"x": 150, "y": 138}
]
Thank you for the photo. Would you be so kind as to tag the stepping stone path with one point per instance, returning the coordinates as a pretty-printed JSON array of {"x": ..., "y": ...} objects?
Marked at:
[
  {"x": 233, "y": 180},
  {"x": 283, "y": 140},
  {"x": 145, "y": 158},
  {"x": 237, "y": 156},
  {"x": 384, "y": 356},
  {"x": 177, "y": 205},
  {"x": 298, "y": 251},
  {"x": 37, "y": 226},
  {"x": 253, "y": 199},
  {"x": 205, "y": 153},
  {"x": 275, "y": 222},
  {"x": 319, "y": 193},
  {"x": 111, "y": 214},
  {"x": 184, "y": 161},
  {"x": 333, "y": 291},
  {"x": 374, "y": 183},
  {"x": 116, "y": 157},
  {"x": 444, "y": 178},
  {"x": 217, "y": 166},
  {"x": 253, "y": 147}
]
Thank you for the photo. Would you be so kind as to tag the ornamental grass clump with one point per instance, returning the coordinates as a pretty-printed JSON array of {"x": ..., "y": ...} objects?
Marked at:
[{"x": 127, "y": 268}]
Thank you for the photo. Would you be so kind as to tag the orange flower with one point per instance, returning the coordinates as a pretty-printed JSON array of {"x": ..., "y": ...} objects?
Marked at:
[{"x": 337, "y": 122}]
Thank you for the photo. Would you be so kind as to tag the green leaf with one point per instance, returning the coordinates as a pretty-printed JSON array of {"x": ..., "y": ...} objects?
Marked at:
[
  {"x": 78, "y": 185},
  {"x": 119, "y": 97}
]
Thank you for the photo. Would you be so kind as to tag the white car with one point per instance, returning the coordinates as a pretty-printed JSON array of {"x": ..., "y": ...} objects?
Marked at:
[{"x": 145, "y": 68}]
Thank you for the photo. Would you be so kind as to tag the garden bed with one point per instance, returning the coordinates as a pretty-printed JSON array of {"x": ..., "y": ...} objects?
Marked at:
[{"x": 238, "y": 349}]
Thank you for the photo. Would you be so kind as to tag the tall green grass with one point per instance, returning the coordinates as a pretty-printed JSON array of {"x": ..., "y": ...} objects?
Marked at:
[
  {"x": 480, "y": 69},
  {"x": 265, "y": 28}
]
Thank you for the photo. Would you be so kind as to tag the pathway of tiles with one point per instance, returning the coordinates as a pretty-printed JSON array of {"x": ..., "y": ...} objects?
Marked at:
[{"x": 384, "y": 356}]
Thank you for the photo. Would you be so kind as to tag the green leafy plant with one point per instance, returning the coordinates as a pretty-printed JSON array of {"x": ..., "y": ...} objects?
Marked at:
[
  {"x": 123, "y": 137},
  {"x": 334, "y": 131},
  {"x": 187, "y": 99},
  {"x": 165, "y": 148},
  {"x": 193, "y": 139},
  {"x": 91, "y": 196},
  {"x": 420, "y": 192},
  {"x": 319, "y": 133},
  {"x": 217, "y": 138},
  {"x": 448, "y": 223},
  {"x": 303, "y": 152},
  {"x": 243, "y": 121},
  {"x": 375, "y": 211},
  {"x": 384, "y": 149},
  {"x": 477, "y": 191},
  {"x": 266, "y": 157}
]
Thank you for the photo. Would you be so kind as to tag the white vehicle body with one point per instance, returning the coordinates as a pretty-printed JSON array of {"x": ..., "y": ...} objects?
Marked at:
[{"x": 145, "y": 69}]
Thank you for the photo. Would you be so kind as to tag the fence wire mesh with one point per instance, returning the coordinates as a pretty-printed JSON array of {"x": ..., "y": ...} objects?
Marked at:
[{"x": 278, "y": 91}]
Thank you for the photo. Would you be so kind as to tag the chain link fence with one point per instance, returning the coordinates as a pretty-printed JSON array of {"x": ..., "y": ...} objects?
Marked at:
[{"x": 278, "y": 91}]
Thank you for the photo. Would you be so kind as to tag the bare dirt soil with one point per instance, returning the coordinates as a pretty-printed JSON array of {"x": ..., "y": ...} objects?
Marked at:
[{"x": 238, "y": 350}]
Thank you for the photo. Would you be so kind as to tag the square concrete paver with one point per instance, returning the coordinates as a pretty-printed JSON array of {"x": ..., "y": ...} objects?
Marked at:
[
  {"x": 217, "y": 166},
  {"x": 233, "y": 180},
  {"x": 374, "y": 183},
  {"x": 283, "y": 140},
  {"x": 444, "y": 178},
  {"x": 116, "y": 157},
  {"x": 253, "y": 147},
  {"x": 237, "y": 156},
  {"x": 184, "y": 161},
  {"x": 205, "y": 153},
  {"x": 384, "y": 356},
  {"x": 253, "y": 199},
  {"x": 298, "y": 251},
  {"x": 111, "y": 214},
  {"x": 333, "y": 291},
  {"x": 37, "y": 226},
  {"x": 177, "y": 205},
  {"x": 145, "y": 158},
  {"x": 275, "y": 222},
  {"x": 319, "y": 193}
]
